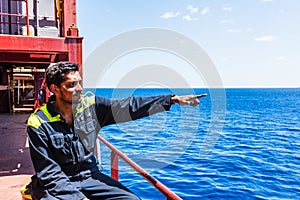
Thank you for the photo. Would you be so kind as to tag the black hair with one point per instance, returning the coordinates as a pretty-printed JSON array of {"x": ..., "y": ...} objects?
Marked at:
[{"x": 56, "y": 73}]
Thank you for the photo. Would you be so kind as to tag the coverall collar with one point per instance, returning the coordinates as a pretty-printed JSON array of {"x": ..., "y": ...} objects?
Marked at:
[{"x": 50, "y": 107}]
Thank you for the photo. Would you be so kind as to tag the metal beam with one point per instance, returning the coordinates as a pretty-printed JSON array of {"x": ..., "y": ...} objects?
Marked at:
[{"x": 32, "y": 44}]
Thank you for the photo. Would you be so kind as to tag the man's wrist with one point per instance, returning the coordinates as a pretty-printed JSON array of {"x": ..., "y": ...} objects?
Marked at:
[{"x": 174, "y": 99}]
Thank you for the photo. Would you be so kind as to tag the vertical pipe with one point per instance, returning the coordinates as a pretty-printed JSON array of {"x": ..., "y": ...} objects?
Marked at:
[
  {"x": 37, "y": 17},
  {"x": 9, "y": 93},
  {"x": 58, "y": 16},
  {"x": 18, "y": 18},
  {"x": 9, "y": 17},
  {"x": 11, "y": 79},
  {"x": 75, "y": 50},
  {"x": 62, "y": 19},
  {"x": 18, "y": 102},
  {"x": 23, "y": 86},
  {"x": 15, "y": 19},
  {"x": 114, "y": 166},
  {"x": 27, "y": 17},
  {"x": 1, "y": 17}
]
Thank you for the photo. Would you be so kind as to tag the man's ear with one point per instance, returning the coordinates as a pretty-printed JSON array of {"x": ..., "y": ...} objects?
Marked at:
[{"x": 54, "y": 88}]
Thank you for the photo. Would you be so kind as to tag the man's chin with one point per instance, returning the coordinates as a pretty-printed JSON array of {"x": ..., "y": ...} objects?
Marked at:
[{"x": 76, "y": 98}]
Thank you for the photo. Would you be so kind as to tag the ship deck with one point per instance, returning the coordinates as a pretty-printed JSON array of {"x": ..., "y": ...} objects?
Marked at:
[{"x": 15, "y": 165}]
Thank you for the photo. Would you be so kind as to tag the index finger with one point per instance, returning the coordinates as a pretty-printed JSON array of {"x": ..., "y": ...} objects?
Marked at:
[{"x": 201, "y": 95}]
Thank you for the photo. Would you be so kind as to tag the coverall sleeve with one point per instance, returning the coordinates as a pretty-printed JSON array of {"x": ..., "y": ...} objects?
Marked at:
[
  {"x": 48, "y": 172},
  {"x": 111, "y": 111}
]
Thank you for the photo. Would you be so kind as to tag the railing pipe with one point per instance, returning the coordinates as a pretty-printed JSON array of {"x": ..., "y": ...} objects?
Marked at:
[
  {"x": 158, "y": 185},
  {"x": 14, "y": 15},
  {"x": 27, "y": 16}
]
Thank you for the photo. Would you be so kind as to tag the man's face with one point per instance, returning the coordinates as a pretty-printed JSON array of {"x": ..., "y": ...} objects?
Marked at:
[{"x": 70, "y": 90}]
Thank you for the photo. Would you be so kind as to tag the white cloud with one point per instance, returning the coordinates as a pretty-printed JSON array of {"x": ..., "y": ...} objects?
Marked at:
[
  {"x": 227, "y": 8},
  {"x": 187, "y": 18},
  {"x": 168, "y": 15},
  {"x": 193, "y": 10},
  {"x": 268, "y": 38},
  {"x": 225, "y": 21},
  {"x": 239, "y": 30},
  {"x": 205, "y": 10},
  {"x": 234, "y": 30},
  {"x": 267, "y": 0}
]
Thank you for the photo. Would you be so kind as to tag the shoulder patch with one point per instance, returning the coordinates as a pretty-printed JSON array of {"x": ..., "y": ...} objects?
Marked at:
[{"x": 34, "y": 121}]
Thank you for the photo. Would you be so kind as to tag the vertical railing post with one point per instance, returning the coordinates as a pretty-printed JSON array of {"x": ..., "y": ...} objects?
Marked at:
[
  {"x": 114, "y": 165},
  {"x": 27, "y": 16}
]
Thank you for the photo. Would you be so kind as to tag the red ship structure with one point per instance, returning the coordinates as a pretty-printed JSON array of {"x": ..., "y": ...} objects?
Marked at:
[{"x": 34, "y": 34}]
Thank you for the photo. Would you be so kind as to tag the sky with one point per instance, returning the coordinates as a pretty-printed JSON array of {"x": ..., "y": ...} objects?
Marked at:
[{"x": 251, "y": 43}]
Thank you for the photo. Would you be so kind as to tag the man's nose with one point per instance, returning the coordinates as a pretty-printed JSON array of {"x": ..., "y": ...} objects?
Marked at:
[{"x": 78, "y": 87}]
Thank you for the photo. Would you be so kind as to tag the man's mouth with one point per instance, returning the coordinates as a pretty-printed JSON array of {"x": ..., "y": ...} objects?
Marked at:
[{"x": 77, "y": 95}]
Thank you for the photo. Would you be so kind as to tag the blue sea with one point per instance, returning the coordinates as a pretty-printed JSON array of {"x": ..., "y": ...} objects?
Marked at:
[{"x": 248, "y": 148}]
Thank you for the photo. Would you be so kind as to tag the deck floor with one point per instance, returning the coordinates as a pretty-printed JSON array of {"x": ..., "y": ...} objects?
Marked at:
[{"x": 15, "y": 165}]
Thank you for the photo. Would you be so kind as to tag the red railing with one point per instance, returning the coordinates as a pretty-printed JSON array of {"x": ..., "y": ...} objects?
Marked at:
[
  {"x": 115, "y": 153},
  {"x": 18, "y": 15}
]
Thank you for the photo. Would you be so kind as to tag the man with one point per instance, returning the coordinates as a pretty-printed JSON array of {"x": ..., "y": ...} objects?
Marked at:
[{"x": 62, "y": 136}]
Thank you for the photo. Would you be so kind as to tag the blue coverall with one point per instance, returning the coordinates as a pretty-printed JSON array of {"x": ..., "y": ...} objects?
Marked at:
[{"x": 62, "y": 154}]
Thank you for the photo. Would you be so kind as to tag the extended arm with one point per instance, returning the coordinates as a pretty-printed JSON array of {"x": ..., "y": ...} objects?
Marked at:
[
  {"x": 122, "y": 110},
  {"x": 132, "y": 108}
]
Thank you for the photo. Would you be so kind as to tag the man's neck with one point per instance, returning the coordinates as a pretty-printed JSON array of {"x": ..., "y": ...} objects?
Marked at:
[{"x": 65, "y": 109}]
